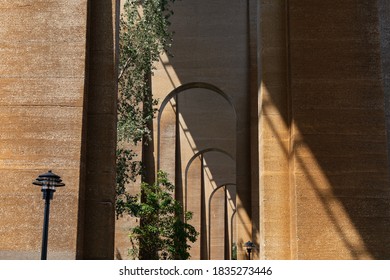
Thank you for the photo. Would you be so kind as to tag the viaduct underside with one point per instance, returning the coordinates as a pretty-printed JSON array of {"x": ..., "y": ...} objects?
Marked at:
[{"x": 272, "y": 123}]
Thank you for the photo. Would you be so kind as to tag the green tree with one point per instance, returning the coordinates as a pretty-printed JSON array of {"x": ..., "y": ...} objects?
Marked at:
[
  {"x": 161, "y": 234},
  {"x": 144, "y": 35}
]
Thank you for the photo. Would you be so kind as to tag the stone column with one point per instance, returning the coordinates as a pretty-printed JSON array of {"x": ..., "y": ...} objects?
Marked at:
[
  {"x": 58, "y": 111},
  {"x": 42, "y": 84},
  {"x": 340, "y": 173},
  {"x": 274, "y": 133},
  {"x": 97, "y": 216},
  {"x": 384, "y": 20}
]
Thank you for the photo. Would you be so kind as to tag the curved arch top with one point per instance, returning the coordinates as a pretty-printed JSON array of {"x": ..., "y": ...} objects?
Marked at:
[
  {"x": 217, "y": 188},
  {"x": 209, "y": 216},
  {"x": 193, "y": 158},
  {"x": 180, "y": 89},
  {"x": 201, "y": 152},
  {"x": 195, "y": 85}
]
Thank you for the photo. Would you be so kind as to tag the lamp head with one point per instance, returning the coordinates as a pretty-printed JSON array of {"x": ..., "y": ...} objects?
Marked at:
[
  {"x": 249, "y": 245},
  {"x": 49, "y": 180}
]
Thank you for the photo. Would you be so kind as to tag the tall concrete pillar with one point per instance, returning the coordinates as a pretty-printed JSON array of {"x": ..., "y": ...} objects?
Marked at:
[
  {"x": 97, "y": 203},
  {"x": 341, "y": 180},
  {"x": 384, "y": 20},
  {"x": 322, "y": 143},
  {"x": 274, "y": 126},
  {"x": 57, "y": 111}
]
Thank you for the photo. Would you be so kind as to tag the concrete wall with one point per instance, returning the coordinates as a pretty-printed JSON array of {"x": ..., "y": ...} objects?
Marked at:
[
  {"x": 305, "y": 80},
  {"x": 324, "y": 186},
  {"x": 341, "y": 195},
  {"x": 274, "y": 133},
  {"x": 42, "y": 75},
  {"x": 97, "y": 213},
  {"x": 282, "y": 99},
  {"x": 53, "y": 72},
  {"x": 384, "y": 20}
]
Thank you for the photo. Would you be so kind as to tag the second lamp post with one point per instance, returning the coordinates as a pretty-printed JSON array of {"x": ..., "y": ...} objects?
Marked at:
[{"x": 249, "y": 246}]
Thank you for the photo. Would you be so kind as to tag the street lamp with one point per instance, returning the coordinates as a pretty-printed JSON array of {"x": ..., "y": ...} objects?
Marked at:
[
  {"x": 48, "y": 181},
  {"x": 249, "y": 245}
]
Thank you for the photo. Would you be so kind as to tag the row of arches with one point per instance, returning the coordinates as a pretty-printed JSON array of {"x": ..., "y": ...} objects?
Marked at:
[{"x": 200, "y": 119}]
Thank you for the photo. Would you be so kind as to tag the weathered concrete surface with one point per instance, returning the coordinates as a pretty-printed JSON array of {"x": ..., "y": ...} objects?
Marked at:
[
  {"x": 274, "y": 134},
  {"x": 315, "y": 101},
  {"x": 341, "y": 184},
  {"x": 42, "y": 72},
  {"x": 384, "y": 20},
  {"x": 46, "y": 85},
  {"x": 322, "y": 136},
  {"x": 97, "y": 216}
]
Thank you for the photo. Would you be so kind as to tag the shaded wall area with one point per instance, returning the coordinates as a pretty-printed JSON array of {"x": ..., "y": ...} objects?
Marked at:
[
  {"x": 324, "y": 186},
  {"x": 339, "y": 140},
  {"x": 208, "y": 119},
  {"x": 310, "y": 151},
  {"x": 340, "y": 168},
  {"x": 384, "y": 20},
  {"x": 96, "y": 227}
]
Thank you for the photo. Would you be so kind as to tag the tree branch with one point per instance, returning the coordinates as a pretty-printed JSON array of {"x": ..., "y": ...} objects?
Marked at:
[{"x": 124, "y": 68}]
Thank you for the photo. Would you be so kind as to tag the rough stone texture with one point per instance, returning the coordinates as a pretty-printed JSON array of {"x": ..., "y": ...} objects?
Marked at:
[
  {"x": 311, "y": 113},
  {"x": 274, "y": 134},
  {"x": 284, "y": 101},
  {"x": 42, "y": 71},
  {"x": 57, "y": 111},
  {"x": 384, "y": 20},
  {"x": 98, "y": 196},
  {"x": 342, "y": 198}
]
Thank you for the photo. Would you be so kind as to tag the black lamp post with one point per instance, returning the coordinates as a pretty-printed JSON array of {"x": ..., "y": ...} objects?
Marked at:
[
  {"x": 249, "y": 245},
  {"x": 48, "y": 181}
]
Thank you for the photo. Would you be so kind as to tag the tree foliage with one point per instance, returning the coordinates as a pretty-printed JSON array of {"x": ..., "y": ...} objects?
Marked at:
[
  {"x": 127, "y": 170},
  {"x": 144, "y": 35},
  {"x": 161, "y": 234}
]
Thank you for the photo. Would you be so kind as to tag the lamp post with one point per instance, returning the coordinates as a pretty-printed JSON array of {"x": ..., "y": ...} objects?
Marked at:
[
  {"x": 249, "y": 245},
  {"x": 48, "y": 182}
]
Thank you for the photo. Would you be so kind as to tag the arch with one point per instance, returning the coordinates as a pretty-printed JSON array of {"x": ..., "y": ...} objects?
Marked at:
[
  {"x": 220, "y": 100},
  {"x": 209, "y": 217},
  {"x": 207, "y": 200},
  {"x": 193, "y": 158},
  {"x": 181, "y": 89}
]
